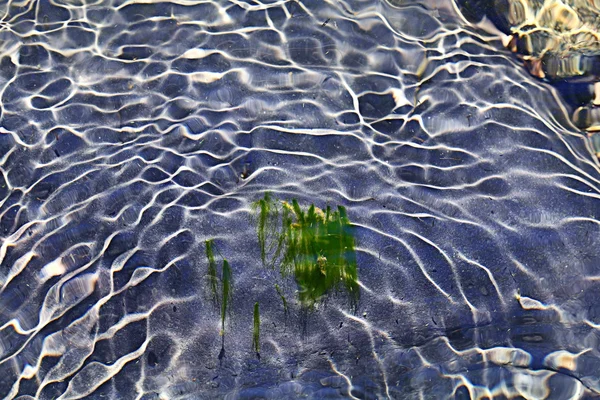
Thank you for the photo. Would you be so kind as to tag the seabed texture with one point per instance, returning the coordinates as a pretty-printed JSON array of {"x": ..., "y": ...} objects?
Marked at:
[{"x": 131, "y": 132}]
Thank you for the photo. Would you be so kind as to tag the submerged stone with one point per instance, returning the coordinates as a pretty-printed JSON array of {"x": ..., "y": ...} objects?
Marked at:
[{"x": 558, "y": 40}]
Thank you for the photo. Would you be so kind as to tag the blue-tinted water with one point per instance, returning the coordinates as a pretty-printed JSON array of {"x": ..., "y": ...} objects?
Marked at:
[{"x": 133, "y": 131}]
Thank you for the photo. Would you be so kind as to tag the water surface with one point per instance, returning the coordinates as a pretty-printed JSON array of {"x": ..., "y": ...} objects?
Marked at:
[{"x": 132, "y": 132}]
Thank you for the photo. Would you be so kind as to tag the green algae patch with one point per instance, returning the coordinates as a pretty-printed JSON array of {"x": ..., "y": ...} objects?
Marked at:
[
  {"x": 317, "y": 247},
  {"x": 256, "y": 330}
]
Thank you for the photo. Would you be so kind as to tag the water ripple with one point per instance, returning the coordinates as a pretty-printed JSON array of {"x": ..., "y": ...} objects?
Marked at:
[{"x": 131, "y": 132}]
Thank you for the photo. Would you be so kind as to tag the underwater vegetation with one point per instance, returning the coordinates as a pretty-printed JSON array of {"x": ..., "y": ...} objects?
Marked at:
[
  {"x": 256, "y": 330},
  {"x": 270, "y": 240},
  {"x": 212, "y": 268},
  {"x": 317, "y": 247},
  {"x": 285, "y": 306},
  {"x": 226, "y": 293},
  {"x": 226, "y": 280}
]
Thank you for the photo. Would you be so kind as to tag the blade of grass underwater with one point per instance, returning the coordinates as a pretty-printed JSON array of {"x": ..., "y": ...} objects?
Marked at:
[
  {"x": 289, "y": 234},
  {"x": 270, "y": 235},
  {"x": 212, "y": 268},
  {"x": 275, "y": 236},
  {"x": 285, "y": 306},
  {"x": 298, "y": 211},
  {"x": 226, "y": 294},
  {"x": 262, "y": 207},
  {"x": 256, "y": 331},
  {"x": 336, "y": 247},
  {"x": 264, "y": 214},
  {"x": 278, "y": 249},
  {"x": 350, "y": 276}
]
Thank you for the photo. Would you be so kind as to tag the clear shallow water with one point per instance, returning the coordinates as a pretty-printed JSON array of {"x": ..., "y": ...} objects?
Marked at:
[{"x": 133, "y": 132}]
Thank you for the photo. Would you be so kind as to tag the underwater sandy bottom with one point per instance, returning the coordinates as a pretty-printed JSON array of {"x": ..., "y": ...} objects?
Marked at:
[{"x": 131, "y": 132}]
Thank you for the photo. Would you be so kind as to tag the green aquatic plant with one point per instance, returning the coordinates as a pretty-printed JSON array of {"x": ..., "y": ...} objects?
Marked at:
[
  {"x": 226, "y": 281},
  {"x": 270, "y": 238},
  {"x": 212, "y": 268},
  {"x": 285, "y": 306},
  {"x": 256, "y": 330},
  {"x": 263, "y": 205},
  {"x": 320, "y": 252},
  {"x": 226, "y": 292},
  {"x": 317, "y": 247}
]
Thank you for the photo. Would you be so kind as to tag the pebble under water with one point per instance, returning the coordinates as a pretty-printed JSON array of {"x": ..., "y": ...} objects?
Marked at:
[{"x": 133, "y": 132}]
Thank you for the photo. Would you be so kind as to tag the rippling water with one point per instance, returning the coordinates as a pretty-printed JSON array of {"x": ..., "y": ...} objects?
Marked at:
[{"x": 133, "y": 131}]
